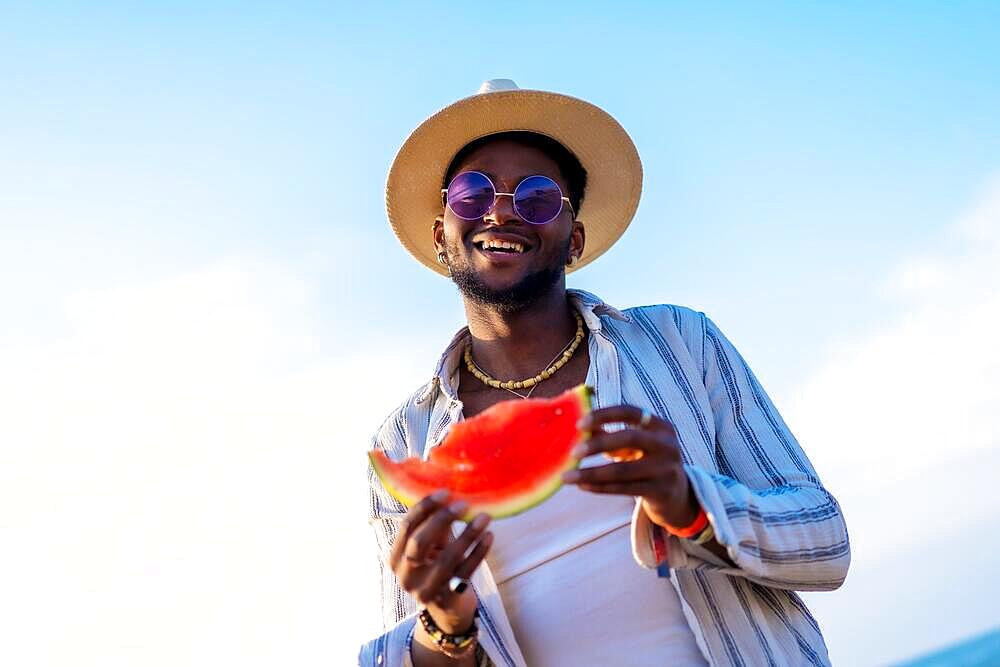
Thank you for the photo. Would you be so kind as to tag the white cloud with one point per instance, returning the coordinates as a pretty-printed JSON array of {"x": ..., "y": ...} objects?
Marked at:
[
  {"x": 921, "y": 389},
  {"x": 182, "y": 478},
  {"x": 904, "y": 426}
]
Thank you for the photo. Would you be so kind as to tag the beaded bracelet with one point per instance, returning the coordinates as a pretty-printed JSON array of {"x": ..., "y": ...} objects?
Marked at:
[{"x": 453, "y": 646}]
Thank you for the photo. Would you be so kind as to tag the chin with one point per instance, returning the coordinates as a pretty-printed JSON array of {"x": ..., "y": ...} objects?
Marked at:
[{"x": 508, "y": 293}]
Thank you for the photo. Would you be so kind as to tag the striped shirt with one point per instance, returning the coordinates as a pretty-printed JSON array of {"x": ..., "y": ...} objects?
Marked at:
[{"x": 783, "y": 531}]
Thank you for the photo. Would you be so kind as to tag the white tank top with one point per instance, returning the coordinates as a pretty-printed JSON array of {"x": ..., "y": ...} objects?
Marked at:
[{"x": 575, "y": 595}]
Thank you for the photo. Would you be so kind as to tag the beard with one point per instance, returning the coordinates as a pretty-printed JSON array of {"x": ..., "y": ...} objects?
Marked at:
[{"x": 516, "y": 297}]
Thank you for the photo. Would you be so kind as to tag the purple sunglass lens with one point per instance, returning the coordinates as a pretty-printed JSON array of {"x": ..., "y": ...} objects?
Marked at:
[
  {"x": 538, "y": 199},
  {"x": 470, "y": 195}
]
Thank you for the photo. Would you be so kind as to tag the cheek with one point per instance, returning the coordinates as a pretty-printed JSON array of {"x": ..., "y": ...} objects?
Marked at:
[
  {"x": 558, "y": 239},
  {"x": 451, "y": 230}
]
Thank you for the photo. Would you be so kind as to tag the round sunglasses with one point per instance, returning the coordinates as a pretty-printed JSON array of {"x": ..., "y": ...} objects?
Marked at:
[{"x": 537, "y": 199}]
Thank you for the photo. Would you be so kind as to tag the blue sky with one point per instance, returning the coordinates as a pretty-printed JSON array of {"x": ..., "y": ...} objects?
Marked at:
[{"x": 191, "y": 215}]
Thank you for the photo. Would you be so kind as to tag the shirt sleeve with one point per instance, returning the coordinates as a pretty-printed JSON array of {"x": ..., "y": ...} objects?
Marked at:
[
  {"x": 391, "y": 649},
  {"x": 779, "y": 525}
]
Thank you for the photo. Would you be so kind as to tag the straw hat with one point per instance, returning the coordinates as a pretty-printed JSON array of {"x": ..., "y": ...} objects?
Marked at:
[{"x": 614, "y": 173}]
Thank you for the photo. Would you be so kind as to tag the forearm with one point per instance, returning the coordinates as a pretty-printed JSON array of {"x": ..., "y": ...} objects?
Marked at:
[
  {"x": 780, "y": 527},
  {"x": 791, "y": 537}
]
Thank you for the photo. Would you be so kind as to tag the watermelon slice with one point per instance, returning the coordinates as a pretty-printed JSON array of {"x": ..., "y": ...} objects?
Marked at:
[{"x": 503, "y": 461}]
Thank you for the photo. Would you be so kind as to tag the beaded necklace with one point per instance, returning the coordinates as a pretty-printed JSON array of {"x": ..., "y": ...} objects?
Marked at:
[{"x": 557, "y": 362}]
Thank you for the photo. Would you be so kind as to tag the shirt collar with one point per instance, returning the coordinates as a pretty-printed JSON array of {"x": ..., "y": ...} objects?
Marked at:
[{"x": 590, "y": 307}]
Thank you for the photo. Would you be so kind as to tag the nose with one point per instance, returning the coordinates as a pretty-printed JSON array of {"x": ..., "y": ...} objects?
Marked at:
[{"x": 502, "y": 211}]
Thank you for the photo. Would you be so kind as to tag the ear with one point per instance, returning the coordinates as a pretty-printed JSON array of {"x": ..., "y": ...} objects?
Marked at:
[
  {"x": 577, "y": 239},
  {"x": 437, "y": 229}
]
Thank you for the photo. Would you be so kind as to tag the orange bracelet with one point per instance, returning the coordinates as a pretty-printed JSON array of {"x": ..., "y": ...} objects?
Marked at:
[{"x": 691, "y": 529}]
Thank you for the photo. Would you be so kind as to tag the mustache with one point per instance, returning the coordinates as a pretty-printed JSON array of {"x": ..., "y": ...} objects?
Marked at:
[{"x": 513, "y": 298}]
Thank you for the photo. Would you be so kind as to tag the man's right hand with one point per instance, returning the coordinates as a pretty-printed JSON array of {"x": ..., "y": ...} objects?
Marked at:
[{"x": 426, "y": 555}]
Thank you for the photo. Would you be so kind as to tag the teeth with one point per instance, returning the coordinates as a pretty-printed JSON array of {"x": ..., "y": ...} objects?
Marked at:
[{"x": 503, "y": 245}]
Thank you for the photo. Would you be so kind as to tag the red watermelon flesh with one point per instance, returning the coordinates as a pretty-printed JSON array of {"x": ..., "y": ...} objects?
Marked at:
[{"x": 503, "y": 461}]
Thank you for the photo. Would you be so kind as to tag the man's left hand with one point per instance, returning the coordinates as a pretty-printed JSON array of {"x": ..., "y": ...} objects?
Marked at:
[{"x": 657, "y": 475}]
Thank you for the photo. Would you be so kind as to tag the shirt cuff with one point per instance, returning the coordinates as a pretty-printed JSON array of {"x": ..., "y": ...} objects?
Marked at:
[{"x": 651, "y": 545}]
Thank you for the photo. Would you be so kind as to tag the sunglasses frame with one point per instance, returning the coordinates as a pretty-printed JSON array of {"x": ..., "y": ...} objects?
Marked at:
[{"x": 563, "y": 198}]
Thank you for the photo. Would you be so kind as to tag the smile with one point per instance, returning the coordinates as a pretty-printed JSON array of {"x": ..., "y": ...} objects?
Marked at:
[
  {"x": 499, "y": 246},
  {"x": 496, "y": 245}
]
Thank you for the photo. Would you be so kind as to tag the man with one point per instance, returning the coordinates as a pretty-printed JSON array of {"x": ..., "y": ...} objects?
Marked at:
[{"x": 687, "y": 555}]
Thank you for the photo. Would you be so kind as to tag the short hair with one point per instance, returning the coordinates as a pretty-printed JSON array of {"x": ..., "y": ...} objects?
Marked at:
[{"x": 569, "y": 165}]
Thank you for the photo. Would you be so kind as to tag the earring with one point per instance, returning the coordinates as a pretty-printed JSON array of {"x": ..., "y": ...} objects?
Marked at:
[
  {"x": 443, "y": 261},
  {"x": 573, "y": 260}
]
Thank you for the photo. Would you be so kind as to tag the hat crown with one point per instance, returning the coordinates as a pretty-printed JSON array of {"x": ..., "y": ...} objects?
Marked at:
[{"x": 496, "y": 85}]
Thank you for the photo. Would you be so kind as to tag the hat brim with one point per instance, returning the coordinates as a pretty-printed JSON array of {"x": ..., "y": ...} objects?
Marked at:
[{"x": 614, "y": 172}]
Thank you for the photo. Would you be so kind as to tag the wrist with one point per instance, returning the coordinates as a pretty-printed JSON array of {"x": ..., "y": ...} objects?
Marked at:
[
  {"x": 453, "y": 622},
  {"x": 453, "y": 645},
  {"x": 424, "y": 652},
  {"x": 677, "y": 512},
  {"x": 692, "y": 523}
]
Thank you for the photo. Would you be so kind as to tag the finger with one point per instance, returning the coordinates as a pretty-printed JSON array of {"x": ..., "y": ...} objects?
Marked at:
[
  {"x": 475, "y": 557},
  {"x": 434, "y": 531},
  {"x": 631, "y": 471},
  {"x": 641, "y": 488},
  {"x": 444, "y": 568},
  {"x": 465, "y": 570},
  {"x": 648, "y": 443},
  {"x": 621, "y": 414},
  {"x": 425, "y": 545},
  {"x": 453, "y": 554},
  {"x": 414, "y": 517},
  {"x": 468, "y": 566}
]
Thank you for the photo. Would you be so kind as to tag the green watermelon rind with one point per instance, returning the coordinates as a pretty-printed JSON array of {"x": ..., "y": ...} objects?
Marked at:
[{"x": 511, "y": 506}]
